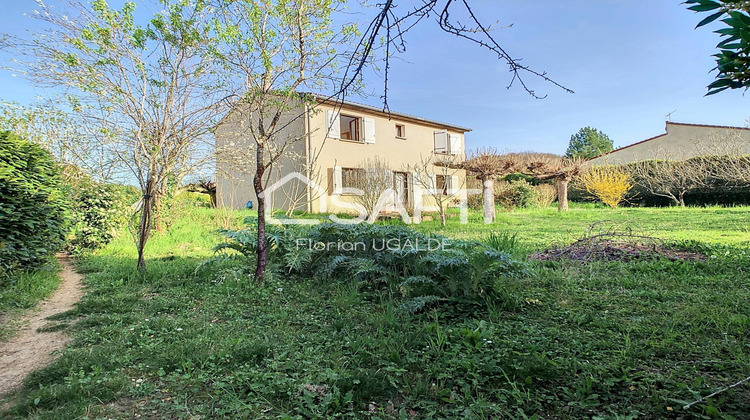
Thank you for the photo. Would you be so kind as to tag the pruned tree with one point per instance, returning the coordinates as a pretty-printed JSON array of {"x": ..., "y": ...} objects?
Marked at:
[
  {"x": 146, "y": 89},
  {"x": 561, "y": 169},
  {"x": 487, "y": 165},
  {"x": 733, "y": 171},
  {"x": 204, "y": 186}
]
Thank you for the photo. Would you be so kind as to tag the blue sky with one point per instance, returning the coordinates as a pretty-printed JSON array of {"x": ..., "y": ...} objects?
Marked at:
[{"x": 629, "y": 63}]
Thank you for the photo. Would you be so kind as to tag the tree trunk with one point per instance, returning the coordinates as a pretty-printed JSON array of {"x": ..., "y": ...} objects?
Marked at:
[
  {"x": 144, "y": 227},
  {"x": 262, "y": 251},
  {"x": 562, "y": 194},
  {"x": 442, "y": 215},
  {"x": 158, "y": 204},
  {"x": 489, "y": 200},
  {"x": 681, "y": 200}
]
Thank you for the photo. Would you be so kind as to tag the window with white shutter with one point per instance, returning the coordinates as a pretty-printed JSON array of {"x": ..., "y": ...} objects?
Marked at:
[
  {"x": 416, "y": 189},
  {"x": 442, "y": 184},
  {"x": 441, "y": 141},
  {"x": 369, "y": 124},
  {"x": 453, "y": 185},
  {"x": 333, "y": 124},
  {"x": 455, "y": 144},
  {"x": 338, "y": 182}
]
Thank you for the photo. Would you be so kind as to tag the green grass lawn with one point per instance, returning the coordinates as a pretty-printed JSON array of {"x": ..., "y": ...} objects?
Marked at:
[
  {"x": 603, "y": 340},
  {"x": 538, "y": 228}
]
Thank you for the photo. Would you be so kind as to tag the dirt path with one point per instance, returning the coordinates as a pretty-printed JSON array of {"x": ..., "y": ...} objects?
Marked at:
[{"x": 29, "y": 349}]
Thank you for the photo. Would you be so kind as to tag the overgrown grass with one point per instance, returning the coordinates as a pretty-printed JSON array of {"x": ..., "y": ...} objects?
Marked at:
[
  {"x": 604, "y": 340},
  {"x": 23, "y": 290}
]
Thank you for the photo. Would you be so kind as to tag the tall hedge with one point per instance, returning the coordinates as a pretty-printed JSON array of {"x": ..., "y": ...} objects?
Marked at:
[
  {"x": 32, "y": 204},
  {"x": 98, "y": 210}
]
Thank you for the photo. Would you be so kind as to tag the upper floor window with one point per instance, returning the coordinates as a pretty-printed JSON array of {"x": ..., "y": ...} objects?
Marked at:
[
  {"x": 446, "y": 143},
  {"x": 400, "y": 131},
  {"x": 350, "y": 127}
]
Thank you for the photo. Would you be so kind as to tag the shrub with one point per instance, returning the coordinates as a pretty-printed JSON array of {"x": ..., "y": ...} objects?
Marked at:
[
  {"x": 99, "y": 211},
  {"x": 32, "y": 205},
  {"x": 421, "y": 269},
  {"x": 514, "y": 194},
  {"x": 610, "y": 184},
  {"x": 502, "y": 241},
  {"x": 544, "y": 195},
  {"x": 521, "y": 177}
]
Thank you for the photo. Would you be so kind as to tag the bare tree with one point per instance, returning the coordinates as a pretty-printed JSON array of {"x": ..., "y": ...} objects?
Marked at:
[
  {"x": 147, "y": 90},
  {"x": 734, "y": 171},
  {"x": 372, "y": 178},
  {"x": 672, "y": 179},
  {"x": 63, "y": 134},
  {"x": 442, "y": 178}
]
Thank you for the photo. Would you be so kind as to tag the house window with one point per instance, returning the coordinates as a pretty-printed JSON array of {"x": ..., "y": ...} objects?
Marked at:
[
  {"x": 400, "y": 131},
  {"x": 351, "y": 177},
  {"x": 442, "y": 183},
  {"x": 350, "y": 127},
  {"x": 446, "y": 143}
]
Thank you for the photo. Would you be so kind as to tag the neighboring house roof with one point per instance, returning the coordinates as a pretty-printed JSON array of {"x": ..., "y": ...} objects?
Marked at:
[
  {"x": 666, "y": 129},
  {"x": 389, "y": 114}
]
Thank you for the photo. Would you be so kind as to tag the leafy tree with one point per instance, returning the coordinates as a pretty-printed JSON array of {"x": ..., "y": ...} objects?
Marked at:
[
  {"x": 147, "y": 91},
  {"x": 733, "y": 58},
  {"x": 588, "y": 143}
]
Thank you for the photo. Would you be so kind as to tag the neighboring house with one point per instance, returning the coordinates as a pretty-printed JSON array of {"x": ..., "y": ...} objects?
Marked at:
[
  {"x": 680, "y": 142},
  {"x": 327, "y": 143}
]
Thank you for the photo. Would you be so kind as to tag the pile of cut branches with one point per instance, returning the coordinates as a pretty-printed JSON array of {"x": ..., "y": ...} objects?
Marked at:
[{"x": 616, "y": 244}]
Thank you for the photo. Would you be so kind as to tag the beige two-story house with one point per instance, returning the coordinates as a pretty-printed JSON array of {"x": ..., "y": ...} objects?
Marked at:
[{"x": 325, "y": 143}]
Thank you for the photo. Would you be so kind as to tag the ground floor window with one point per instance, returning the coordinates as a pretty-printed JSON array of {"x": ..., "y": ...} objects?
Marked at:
[
  {"x": 351, "y": 177},
  {"x": 442, "y": 183}
]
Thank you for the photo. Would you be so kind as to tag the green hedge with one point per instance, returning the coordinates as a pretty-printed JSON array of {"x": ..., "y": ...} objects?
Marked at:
[
  {"x": 99, "y": 211},
  {"x": 32, "y": 205}
]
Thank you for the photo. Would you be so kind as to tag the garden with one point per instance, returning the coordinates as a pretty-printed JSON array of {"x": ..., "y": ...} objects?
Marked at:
[
  {"x": 570, "y": 290},
  {"x": 475, "y": 330}
]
